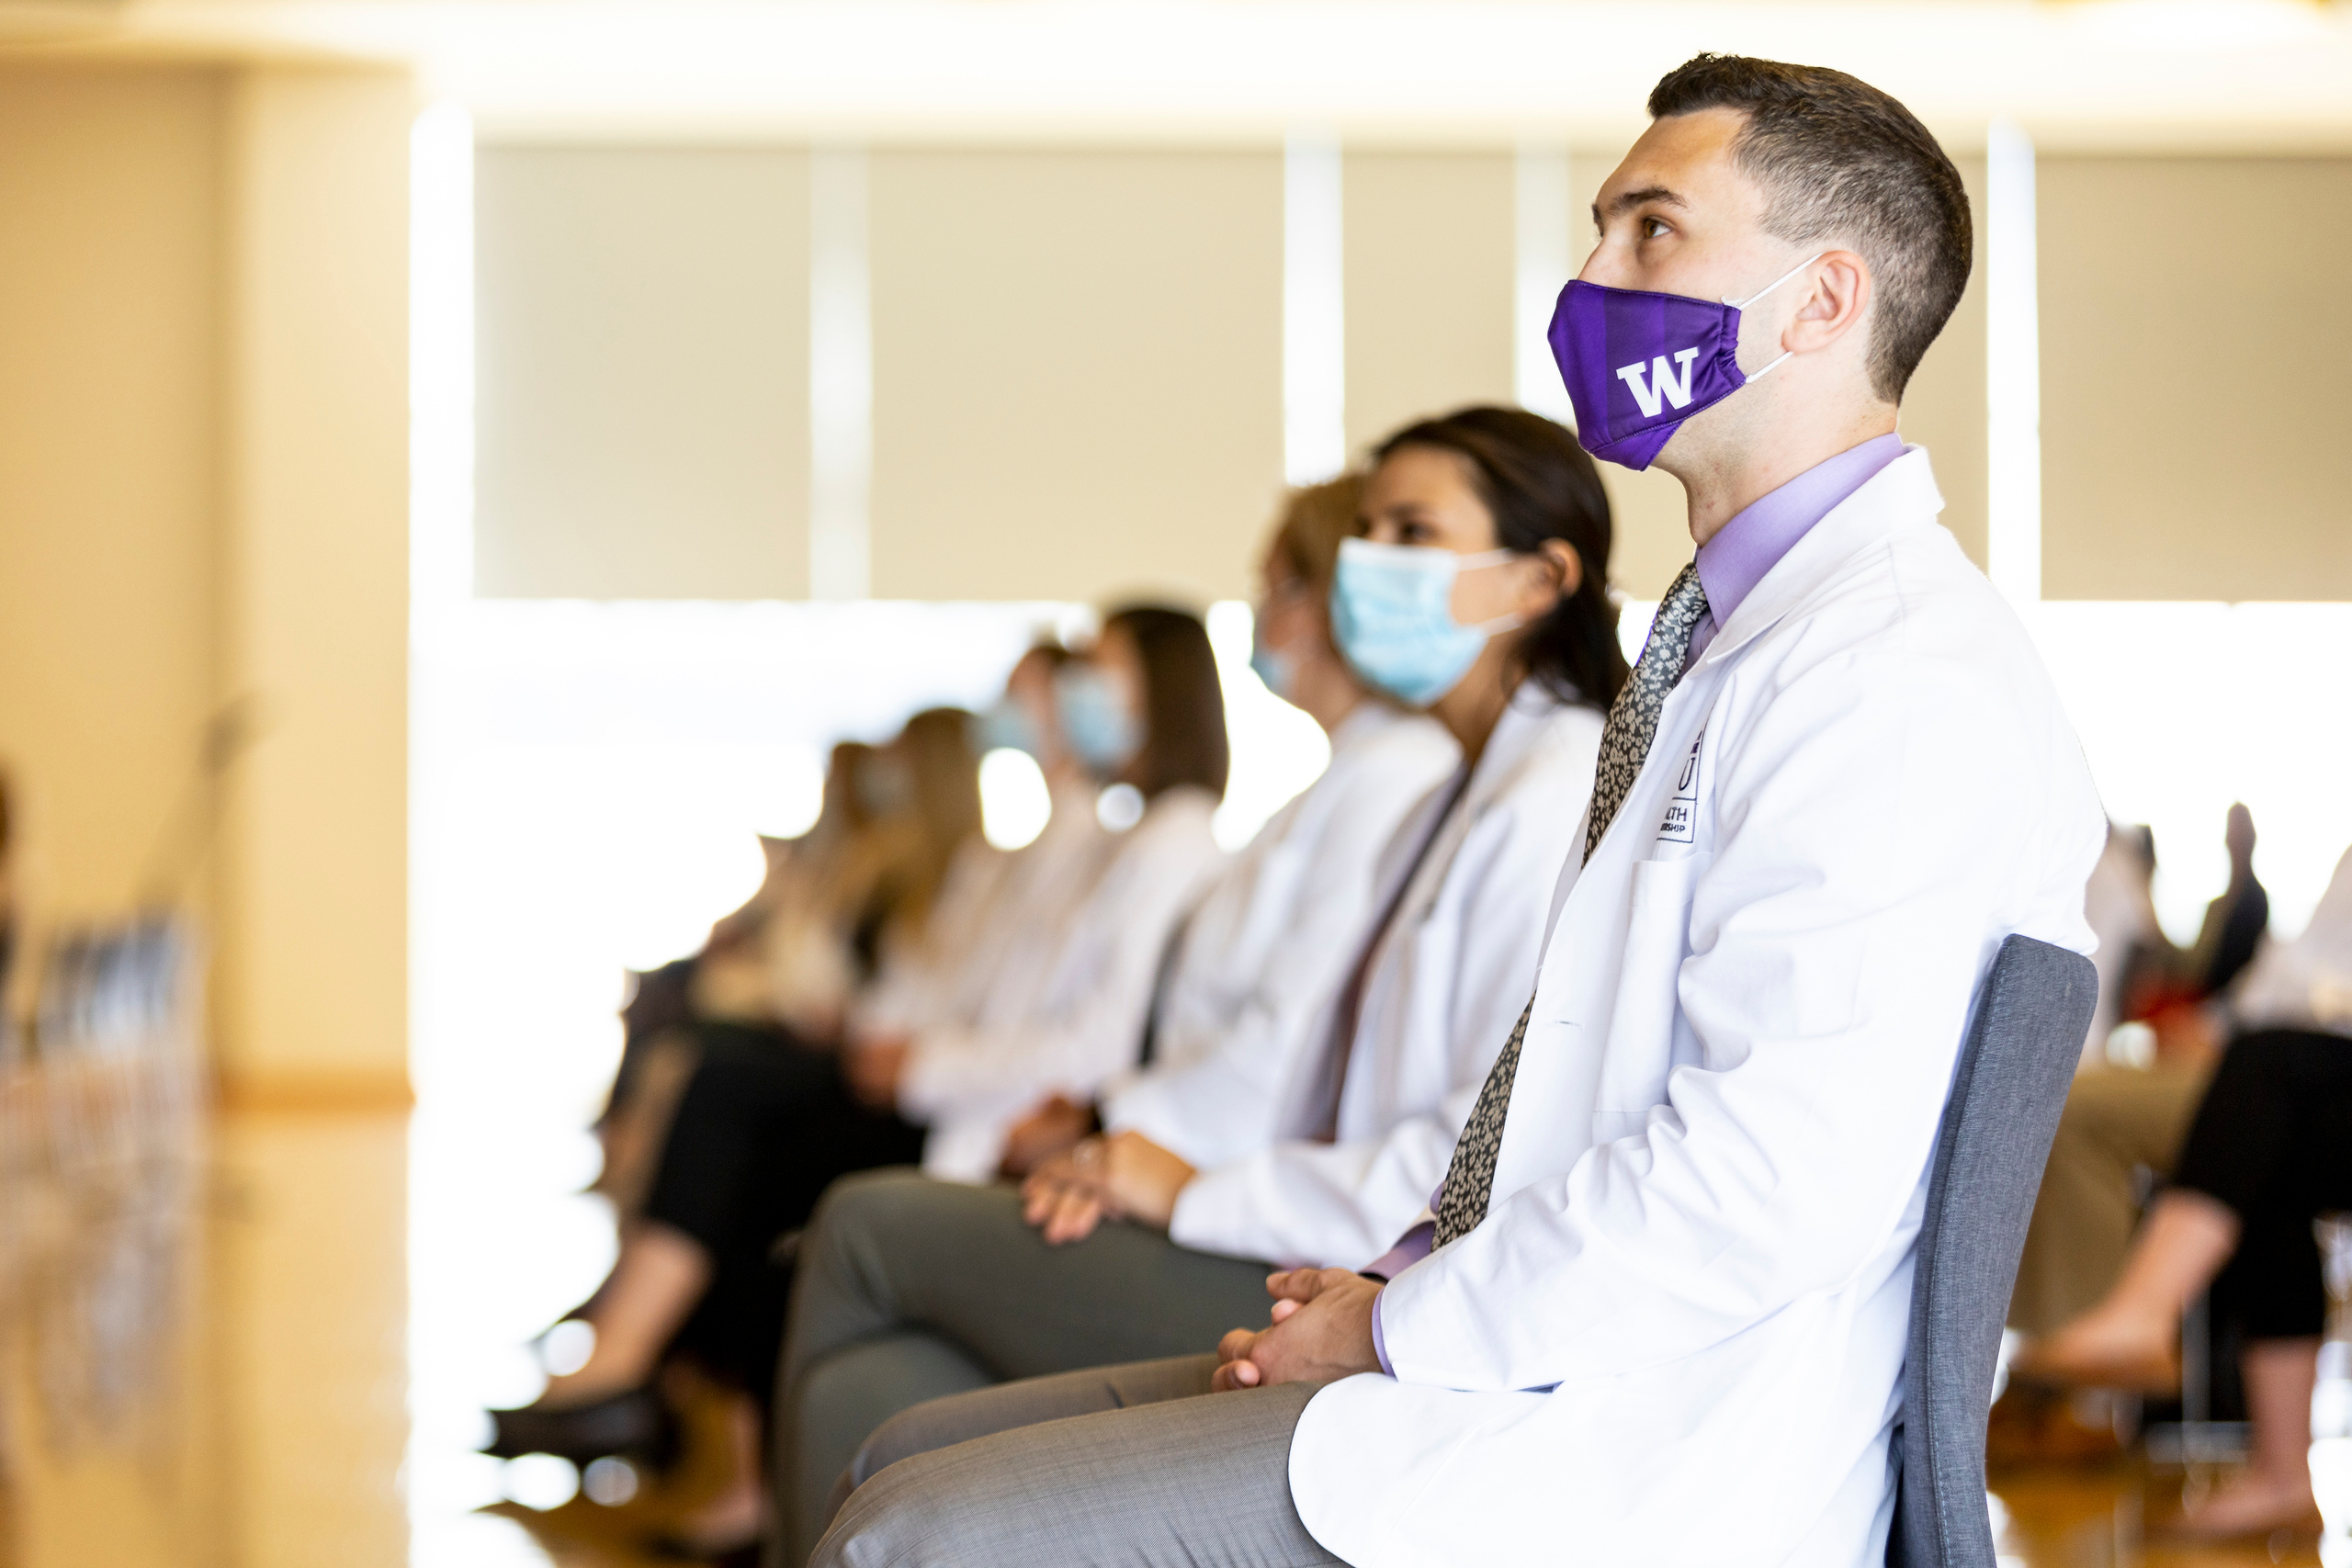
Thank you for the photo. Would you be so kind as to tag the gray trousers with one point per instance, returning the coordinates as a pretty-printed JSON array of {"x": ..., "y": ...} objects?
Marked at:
[
  {"x": 907, "y": 1289},
  {"x": 1132, "y": 1465}
]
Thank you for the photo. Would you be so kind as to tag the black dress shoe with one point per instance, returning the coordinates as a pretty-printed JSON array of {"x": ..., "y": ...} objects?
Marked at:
[{"x": 633, "y": 1423}]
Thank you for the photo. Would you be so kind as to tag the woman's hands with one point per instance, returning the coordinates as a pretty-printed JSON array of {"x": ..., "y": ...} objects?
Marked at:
[
  {"x": 873, "y": 1068},
  {"x": 1054, "y": 1128},
  {"x": 1124, "y": 1177}
]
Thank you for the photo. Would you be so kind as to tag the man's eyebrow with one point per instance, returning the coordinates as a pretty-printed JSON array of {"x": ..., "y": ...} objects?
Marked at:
[{"x": 1625, "y": 200}]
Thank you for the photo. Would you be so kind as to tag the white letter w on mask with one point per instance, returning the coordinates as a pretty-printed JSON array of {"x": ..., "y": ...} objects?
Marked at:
[{"x": 1664, "y": 387}]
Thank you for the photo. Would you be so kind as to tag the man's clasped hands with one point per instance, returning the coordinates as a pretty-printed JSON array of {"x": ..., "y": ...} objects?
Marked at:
[{"x": 1321, "y": 1327}]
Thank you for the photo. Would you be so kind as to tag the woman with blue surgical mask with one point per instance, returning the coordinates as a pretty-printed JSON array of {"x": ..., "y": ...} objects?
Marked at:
[
  {"x": 1272, "y": 936},
  {"x": 1476, "y": 589}
]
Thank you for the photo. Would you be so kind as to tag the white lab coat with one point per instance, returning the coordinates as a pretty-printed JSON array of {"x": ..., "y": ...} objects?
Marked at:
[
  {"x": 1746, "y": 1021},
  {"x": 1273, "y": 941},
  {"x": 920, "y": 978},
  {"x": 1026, "y": 904},
  {"x": 1077, "y": 1015},
  {"x": 1448, "y": 982}
]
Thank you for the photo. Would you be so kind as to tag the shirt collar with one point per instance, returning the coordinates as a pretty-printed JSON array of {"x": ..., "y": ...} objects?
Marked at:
[{"x": 1733, "y": 563}]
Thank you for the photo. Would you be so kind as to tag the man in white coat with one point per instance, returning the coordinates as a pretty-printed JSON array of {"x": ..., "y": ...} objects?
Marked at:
[{"x": 1666, "y": 1312}]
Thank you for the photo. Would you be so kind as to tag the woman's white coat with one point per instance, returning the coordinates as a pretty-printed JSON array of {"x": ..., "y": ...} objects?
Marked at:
[
  {"x": 1272, "y": 939},
  {"x": 1445, "y": 984}
]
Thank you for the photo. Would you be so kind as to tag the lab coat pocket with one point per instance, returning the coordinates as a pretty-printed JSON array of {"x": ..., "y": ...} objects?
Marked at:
[{"x": 1641, "y": 1020}]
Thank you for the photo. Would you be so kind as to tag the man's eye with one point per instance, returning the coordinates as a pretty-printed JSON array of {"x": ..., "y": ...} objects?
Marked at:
[{"x": 1655, "y": 228}]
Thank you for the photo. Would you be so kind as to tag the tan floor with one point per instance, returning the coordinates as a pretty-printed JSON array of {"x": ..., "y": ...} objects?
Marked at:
[{"x": 225, "y": 1372}]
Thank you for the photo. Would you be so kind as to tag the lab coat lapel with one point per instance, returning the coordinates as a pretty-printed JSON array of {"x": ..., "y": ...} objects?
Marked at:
[{"x": 1576, "y": 1083}]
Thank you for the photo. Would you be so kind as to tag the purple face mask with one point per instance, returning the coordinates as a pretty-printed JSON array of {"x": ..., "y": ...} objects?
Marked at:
[{"x": 1638, "y": 364}]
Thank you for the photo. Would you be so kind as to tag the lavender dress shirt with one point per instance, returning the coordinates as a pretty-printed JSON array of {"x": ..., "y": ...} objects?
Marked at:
[{"x": 1730, "y": 566}]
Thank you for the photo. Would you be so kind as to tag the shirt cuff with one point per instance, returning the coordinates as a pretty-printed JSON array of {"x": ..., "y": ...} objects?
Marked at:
[
  {"x": 1379, "y": 1340},
  {"x": 1410, "y": 1249}
]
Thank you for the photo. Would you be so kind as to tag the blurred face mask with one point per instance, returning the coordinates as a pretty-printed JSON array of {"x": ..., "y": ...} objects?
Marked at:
[
  {"x": 1095, "y": 724},
  {"x": 886, "y": 785},
  {"x": 1269, "y": 663},
  {"x": 1638, "y": 364},
  {"x": 1392, "y": 615},
  {"x": 1005, "y": 726}
]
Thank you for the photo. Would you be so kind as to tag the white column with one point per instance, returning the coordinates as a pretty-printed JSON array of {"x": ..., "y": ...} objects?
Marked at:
[
  {"x": 1314, "y": 443},
  {"x": 441, "y": 364},
  {"x": 2012, "y": 369},
  {"x": 840, "y": 379},
  {"x": 1545, "y": 255}
]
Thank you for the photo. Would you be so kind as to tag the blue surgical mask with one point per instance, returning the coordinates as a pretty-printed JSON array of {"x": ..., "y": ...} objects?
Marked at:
[
  {"x": 1276, "y": 668},
  {"x": 1095, "y": 723},
  {"x": 1005, "y": 726},
  {"x": 1392, "y": 615}
]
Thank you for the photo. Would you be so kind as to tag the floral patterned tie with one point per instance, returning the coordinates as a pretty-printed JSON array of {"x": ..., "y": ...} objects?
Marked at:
[{"x": 1624, "y": 746}]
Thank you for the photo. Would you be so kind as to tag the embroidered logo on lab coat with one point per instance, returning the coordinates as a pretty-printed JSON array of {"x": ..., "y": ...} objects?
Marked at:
[{"x": 1680, "y": 825}]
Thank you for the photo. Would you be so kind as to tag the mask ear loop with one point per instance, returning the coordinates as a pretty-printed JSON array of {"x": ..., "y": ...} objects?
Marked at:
[
  {"x": 1786, "y": 353},
  {"x": 1500, "y": 623}
]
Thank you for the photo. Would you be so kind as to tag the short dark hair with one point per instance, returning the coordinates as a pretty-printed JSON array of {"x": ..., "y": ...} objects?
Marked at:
[
  {"x": 1835, "y": 154},
  {"x": 1538, "y": 484},
  {"x": 1184, "y": 739}
]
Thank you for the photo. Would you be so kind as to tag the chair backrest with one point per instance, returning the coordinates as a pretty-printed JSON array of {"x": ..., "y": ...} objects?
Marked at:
[{"x": 2010, "y": 1085}]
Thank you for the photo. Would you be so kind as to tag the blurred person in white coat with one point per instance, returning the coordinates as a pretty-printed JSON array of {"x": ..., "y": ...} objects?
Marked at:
[
  {"x": 997, "y": 909},
  {"x": 1144, "y": 711},
  {"x": 1478, "y": 592},
  {"x": 1664, "y": 1308},
  {"x": 1252, "y": 968}
]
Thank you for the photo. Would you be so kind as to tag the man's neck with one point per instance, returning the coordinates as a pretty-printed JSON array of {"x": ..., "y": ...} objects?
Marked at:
[{"x": 1719, "y": 490}]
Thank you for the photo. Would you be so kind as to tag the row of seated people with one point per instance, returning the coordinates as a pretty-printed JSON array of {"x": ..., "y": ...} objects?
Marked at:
[
  {"x": 2239, "y": 1121},
  {"x": 1579, "y": 1115},
  {"x": 1269, "y": 1056},
  {"x": 999, "y": 1031}
]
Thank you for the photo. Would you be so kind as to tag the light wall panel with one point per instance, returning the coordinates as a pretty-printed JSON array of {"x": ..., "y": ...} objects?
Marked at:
[
  {"x": 1943, "y": 409},
  {"x": 1077, "y": 371},
  {"x": 1430, "y": 256},
  {"x": 2195, "y": 324},
  {"x": 643, "y": 373}
]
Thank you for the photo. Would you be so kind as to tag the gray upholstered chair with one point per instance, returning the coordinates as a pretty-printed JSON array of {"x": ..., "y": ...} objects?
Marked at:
[{"x": 2010, "y": 1085}]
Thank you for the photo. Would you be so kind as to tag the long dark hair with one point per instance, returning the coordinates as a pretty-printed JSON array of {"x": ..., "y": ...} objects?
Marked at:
[
  {"x": 1183, "y": 704},
  {"x": 1538, "y": 484}
]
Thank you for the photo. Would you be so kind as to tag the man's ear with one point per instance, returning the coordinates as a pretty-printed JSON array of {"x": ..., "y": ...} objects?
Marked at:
[{"x": 1835, "y": 304}]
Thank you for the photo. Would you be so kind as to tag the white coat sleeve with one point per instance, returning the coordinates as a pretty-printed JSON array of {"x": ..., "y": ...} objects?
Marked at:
[
  {"x": 1223, "y": 1103},
  {"x": 1882, "y": 819},
  {"x": 1086, "y": 1035},
  {"x": 1341, "y": 1205}
]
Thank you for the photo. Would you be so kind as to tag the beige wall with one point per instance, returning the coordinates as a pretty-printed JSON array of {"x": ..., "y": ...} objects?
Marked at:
[
  {"x": 642, "y": 392},
  {"x": 1943, "y": 409},
  {"x": 109, "y": 278},
  {"x": 2196, "y": 322},
  {"x": 1077, "y": 372},
  {"x": 314, "y": 963},
  {"x": 1430, "y": 256},
  {"x": 203, "y": 498}
]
